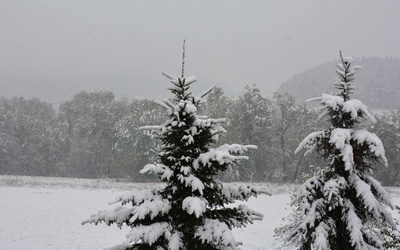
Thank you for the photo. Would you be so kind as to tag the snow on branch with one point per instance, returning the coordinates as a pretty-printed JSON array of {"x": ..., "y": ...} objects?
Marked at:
[
  {"x": 337, "y": 103},
  {"x": 180, "y": 81},
  {"x": 354, "y": 226},
  {"x": 169, "y": 76},
  {"x": 250, "y": 214},
  {"x": 239, "y": 191},
  {"x": 330, "y": 102},
  {"x": 163, "y": 171},
  {"x": 224, "y": 154},
  {"x": 118, "y": 215},
  {"x": 175, "y": 241},
  {"x": 374, "y": 143},
  {"x": 192, "y": 181},
  {"x": 306, "y": 192},
  {"x": 208, "y": 122},
  {"x": 150, "y": 208},
  {"x": 354, "y": 107},
  {"x": 145, "y": 202},
  {"x": 333, "y": 190},
  {"x": 322, "y": 232},
  {"x": 310, "y": 142},
  {"x": 136, "y": 196},
  {"x": 217, "y": 233},
  {"x": 340, "y": 137},
  {"x": 195, "y": 205},
  {"x": 189, "y": 80},
  {"x": 147, "y": 233},
  {"x": 382, "y": 193},
  {"x": 364, "y": 192},
  {"x": 151, "y": 127},
  {"x": 206, "y": 92},
  {"x": 310, "y": 217},
  {"x": 165, "y": 104}
]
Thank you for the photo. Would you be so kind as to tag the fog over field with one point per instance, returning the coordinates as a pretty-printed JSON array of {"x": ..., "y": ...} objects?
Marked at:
[{"x": 54, "y": 49}]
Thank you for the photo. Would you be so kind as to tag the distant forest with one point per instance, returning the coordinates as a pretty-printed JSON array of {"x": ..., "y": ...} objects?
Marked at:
[
  {"x": 95, "y": 135},
  {"x": 377, "y": 83}
]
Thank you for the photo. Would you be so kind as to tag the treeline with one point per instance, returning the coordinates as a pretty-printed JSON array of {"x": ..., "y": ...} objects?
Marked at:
[{"x": 95, "y": 135}]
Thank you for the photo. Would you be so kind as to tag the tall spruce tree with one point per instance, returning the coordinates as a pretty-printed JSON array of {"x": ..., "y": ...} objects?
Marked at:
[
  {"x": 345, "y": 207},
  {"x": 190, "y": 211}
]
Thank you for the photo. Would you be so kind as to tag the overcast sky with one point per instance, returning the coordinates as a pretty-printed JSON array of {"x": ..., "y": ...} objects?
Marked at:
[{"x": 53, "y": 49}]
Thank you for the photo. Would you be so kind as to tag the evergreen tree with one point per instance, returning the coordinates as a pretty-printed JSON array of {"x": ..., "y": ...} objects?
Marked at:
[
  {"x": 345, "y": 207},
  {"x": 190, "y": 211}
]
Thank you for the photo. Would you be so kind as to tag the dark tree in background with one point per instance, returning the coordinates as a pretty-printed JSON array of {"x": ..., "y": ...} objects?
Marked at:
[
  {"x": 189, "y": 211},
  {"x": 345, "y": 207}
]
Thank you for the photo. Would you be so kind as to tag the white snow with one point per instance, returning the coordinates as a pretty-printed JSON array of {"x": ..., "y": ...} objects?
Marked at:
[
  {"x": 310, "y": 142},
  {"x": 224, "y": 154},
  {"x": 217, "y": 232},
  {"x": 340, "y": 137},
  {"x": 195, "y": 205},
  {"x": 375, "y": 144},
  {"x": 48, "y": 215}
]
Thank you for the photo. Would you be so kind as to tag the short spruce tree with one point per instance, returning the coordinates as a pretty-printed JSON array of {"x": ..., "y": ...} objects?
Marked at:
[
  {"x": 344, "y": 208},
  {"x": 190, "y": 210}
]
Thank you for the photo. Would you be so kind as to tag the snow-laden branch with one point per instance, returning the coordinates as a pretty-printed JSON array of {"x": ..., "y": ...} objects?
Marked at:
[
  {"x": 340, "y": 137},
  {"x": 354, "y": 226},
  {"x": 151, "y": 127},
  {"x": 217, "y": 233},
  {"x": 136, "y": 196},
  {"x": 310, "y": 142},
  {"x": 206, "y": 92},
  {"x": 169, "y": 76},
  {"x": 310, "y": 217},
  {"x": 336, "y": 103},
  {"x": 370, "y": 203},
  {"x": 224, "y": 154},
  {"x": 118, "y": 215},
  {"x": 148, "y": 233},
  {"x": 250, "y": 214},
  {"x": 374, "y": 143},
  {"x": 382, "y": 193},
  {"x": 145, "y": 203},
  {"x": 167, "y": 105},
  {"x": 150, "y": 208},
  {"x": 321, "y": 241},
  {"x": 354, "y": 107},
  {"x": 192, "y": 181},
  {"x": 195, "y": 205},
  {"x": 305, "y": 193},
  {"x": 347, "y": 156},
  {"x": 163, "y": 171},
  {"x": 239, "y": 191},
  {"x": 333, "y": 190},
  {"x": 208, "y": 122}
]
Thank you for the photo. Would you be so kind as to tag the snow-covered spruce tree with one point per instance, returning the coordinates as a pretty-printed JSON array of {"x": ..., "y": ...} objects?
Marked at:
[
  {"x": 189, "y": 211},
  {"x": 345, "y": 207}
]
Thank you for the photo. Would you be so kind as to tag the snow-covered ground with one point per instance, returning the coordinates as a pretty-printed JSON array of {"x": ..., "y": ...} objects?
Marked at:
[{"x": 46, "y": 213}]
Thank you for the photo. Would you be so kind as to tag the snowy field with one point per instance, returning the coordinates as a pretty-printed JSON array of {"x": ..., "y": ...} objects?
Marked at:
[{"x": 46, "y": 214}]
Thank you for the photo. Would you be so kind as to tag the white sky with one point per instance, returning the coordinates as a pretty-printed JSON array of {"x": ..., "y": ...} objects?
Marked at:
[{"x": 53, "y": 49}]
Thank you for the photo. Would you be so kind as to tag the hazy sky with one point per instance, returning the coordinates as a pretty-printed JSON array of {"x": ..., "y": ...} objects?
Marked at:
[{"x": 53, "y": 49}]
